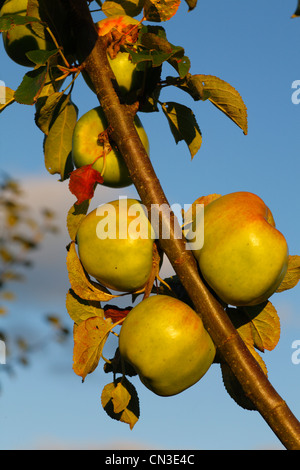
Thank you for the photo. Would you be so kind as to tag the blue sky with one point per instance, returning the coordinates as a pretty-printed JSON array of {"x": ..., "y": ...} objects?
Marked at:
[{"x": 253, "y": 46}]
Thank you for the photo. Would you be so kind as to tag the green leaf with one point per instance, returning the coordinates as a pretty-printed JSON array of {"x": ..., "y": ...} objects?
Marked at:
[
  {"x": 153, "y": 46},
  {"x": 121, "y": 7},
  {"x": 40, "y": 57},
  {"x": 31, "y": 86},
  {"x": 58, "y": 142},
  {"x": 194, "y": 86},
  {"x": 180, "y": 62},
  {"x": 10, "y": 21},
  {"x": 160, "y": 10},
  {"x": 46, "y": 111},
  {"x": 220, "y": 93},
  {"x": 6, "y": 97},
  {"x": 183, "y": 125},
  {"x": 173, "y": 54}
]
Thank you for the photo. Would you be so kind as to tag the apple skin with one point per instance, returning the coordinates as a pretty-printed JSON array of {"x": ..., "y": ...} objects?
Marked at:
[
  {"x": 85, "y": 148},
  {"x": 129, "y": 76},
  {"x": 22, "y": 39},
  {"x": 244, "y": 257},
  {"x": 123, "y": 263},
  {"x": 166, "y": 343}
]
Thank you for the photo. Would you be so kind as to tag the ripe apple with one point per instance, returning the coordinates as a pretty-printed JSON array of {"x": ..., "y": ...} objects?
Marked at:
[
  {"x": 166, "y": 343},
  {"x": 86, "y": 148},
  {"x": 129, "y": 76},
  {"x": 22, "y": 39},
  {"x": 244, "y": 257},
  {"x": 115, "y": 245}
]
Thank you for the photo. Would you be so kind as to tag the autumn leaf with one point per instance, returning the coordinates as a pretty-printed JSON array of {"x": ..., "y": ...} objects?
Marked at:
[
  {"x": 89, "y": 339},
  {"x": 259, "y": 325},
  {"x": 160, "y": 10},
  {"x": 6, "y": 97},
  {"x": 75, "y": 215},
  {"x": 80, "y": 309},
  {"x": 120, "y": 401},
  {"x": 265, "y": 325},
  {"x": 83, "y": 182},
  {"x": 292, "y": 275},
  {"x": 115, "y": 313}
]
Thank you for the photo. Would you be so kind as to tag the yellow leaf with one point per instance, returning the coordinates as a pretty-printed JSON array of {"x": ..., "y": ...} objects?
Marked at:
[
  {"x": 259, "y": 326},
  {"x": 160, "y": 10},
  {"x": 265, "y": 325},
  {"x": 89, "y": 339},
  {"x": 80, "y": 282},
  {"x": 80, "y": 309},
  {"x": 75, "y": 215},
  {"x": 129, "y": 417},
  {"x": 120, "y": 398},
  {"x": 120, "y": 401},
  {"x": 292, "y": 276},
  {"x": 6, "y": 97},
  {"x": 226, "y": 98}
]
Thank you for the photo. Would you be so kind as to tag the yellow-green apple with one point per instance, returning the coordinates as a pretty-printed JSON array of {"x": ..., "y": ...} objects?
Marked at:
[
  {"x": 86, "y": 147},
  {"x": 115, "y": 245},
  {"x": 129, "y": 76},
  {"x": 244, "y": 257},
  {"x": 166, "y": 343},
  {"x": 23, "y": 38}
]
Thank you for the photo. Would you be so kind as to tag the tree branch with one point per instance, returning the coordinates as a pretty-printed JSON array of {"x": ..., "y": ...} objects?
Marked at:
[{"x": 92, "y": 53}]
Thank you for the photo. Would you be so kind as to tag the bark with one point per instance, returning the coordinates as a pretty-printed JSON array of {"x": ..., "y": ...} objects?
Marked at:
[{"x": 91, "y": 51}]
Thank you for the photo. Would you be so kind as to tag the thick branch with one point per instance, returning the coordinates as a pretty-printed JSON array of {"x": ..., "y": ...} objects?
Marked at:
[{"x": 92, "y": 52}]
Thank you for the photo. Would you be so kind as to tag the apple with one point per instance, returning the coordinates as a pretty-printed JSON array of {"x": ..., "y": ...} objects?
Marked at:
[
  {"x": 22, "y": 39},
  {"x": 244, "y": 257},
  {"x": 129, "y": 76},
  {"x": 166, "y": 343},
  {"x": 115, "y": 245},
  {"x": 86, "y": 148}
]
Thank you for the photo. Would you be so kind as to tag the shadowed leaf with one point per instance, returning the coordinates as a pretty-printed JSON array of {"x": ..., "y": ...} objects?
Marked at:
[
  {"x": 183, "y": 125},
  {"x": 120, "y": 401}
]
